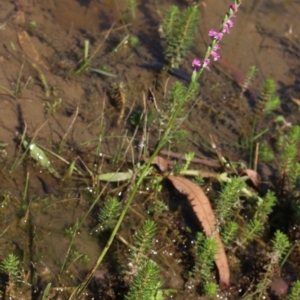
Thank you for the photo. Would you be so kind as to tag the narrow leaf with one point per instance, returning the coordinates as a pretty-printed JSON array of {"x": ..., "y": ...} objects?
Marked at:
[
  {"x": 46, "y": 292},
  {"x": 39, "y": 156},
  {"x": 115, "y": 177},
  {"x": 202, "y": 208}
]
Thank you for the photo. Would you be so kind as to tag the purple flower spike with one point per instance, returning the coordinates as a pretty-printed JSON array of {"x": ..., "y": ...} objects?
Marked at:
[
  {"x": 196, "y": 64},
  {"x": 215, "y": 55}
]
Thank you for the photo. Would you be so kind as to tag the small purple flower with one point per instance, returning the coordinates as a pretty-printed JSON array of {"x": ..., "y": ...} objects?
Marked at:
[
  {"x": 225, "y": 29},
  {"x": 234, "y": 7},
  {"x": 212, "y": 33},
  {"x": 206, "y": 62},
  {"x": 216, "y": 47},
  {"x": 215, "y": 55},
  {"x": 215, "y": 35},
  {"x": 230, "y": 23},
  {"x": 196, "y": 64}
]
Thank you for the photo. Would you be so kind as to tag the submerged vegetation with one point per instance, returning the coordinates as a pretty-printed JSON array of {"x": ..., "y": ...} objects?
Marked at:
[{"x": 130, "y": 213}]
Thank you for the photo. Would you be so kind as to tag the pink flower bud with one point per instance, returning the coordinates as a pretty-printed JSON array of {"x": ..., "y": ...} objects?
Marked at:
[
  {"x": 215, "y": 55},
  {"x": 233, "y": 7},
  {"x": 225, "y": 29},
  {"x": 216, "y": 47},
  {"x": 206, "y": 62},
  {"x": 230, "y": 23},
  {"x": 196, "y": 64},
  {"x": 215, "y": 35}
]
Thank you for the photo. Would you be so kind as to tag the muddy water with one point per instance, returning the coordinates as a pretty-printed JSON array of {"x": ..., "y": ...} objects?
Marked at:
[{"x": 51, "y": 34}]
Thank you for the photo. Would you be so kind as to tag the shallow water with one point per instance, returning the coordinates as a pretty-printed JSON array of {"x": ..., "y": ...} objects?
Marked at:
[{"x": 265, "y": 35}]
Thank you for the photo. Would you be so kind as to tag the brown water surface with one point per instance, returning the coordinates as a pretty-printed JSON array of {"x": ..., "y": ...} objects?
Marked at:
[{"x": 43, "y": 41}]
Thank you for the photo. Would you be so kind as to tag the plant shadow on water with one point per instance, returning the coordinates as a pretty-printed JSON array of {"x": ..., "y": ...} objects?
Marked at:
[{"x": 84, "y": 85}]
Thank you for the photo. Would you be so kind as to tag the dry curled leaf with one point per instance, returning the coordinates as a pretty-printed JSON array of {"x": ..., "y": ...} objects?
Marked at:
[
  {"x": 202, "y": 208},
  {"x": 162, "y": 163},
  {"x": 253, "y": 176}
]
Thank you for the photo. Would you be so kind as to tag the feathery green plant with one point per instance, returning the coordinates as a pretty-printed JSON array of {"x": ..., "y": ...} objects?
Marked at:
[
  {"x": 146, "y": 283},
  {"x": 145, "y": 272},
  {"x": 229, "y": 232},
  {"x": 288, "y": 165},
  {"x": 206, "y": 249},
  {"x": 210, "y": 289},
  {"x": 253, "y": 230},
  {"x": 268, "y": 102},
  {"x": 142, "y": 242},
  {"x": 179, "y": 33},
  {"x": 280, "y": 246},
  {"x": 295, "y": 291},
  {"x": 10, "y": 266},
  {"x": 229, "y": 200},
  {"x": 109, "y": 213},
  {"x": 249, "y": 78},
  {"x": 255, "y": 227},
  {"x": 265, "y": 206},
  {"x": 265, "y": 152}
]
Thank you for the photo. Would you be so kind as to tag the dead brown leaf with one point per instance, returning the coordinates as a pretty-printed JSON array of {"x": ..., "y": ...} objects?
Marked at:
[
  {"x": 162, "y": 163},
  {"x": 26, "y": 43},
  {"x": 202, "y": 208},
  {"x": 253, "y": 176}
]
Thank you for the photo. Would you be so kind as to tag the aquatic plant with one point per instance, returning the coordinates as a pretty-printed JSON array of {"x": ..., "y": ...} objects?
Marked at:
[
  {"x": 178, "y": 33},
  {"x": 146, "y": 283},
  {"x": 141, "y": 273},
  {"x": 295, "y": 291},
  {"x": 142, "y": 243},
  {"x": 280, "y": 246},
  {"x": 108, "y": 214},
  {"x": 249, "y": 78},
  {"x": 236, "y": 197},
  {"x": 10, "y": 266},
  {"x": 205, "y": 251},
  {"x": 228, "y": 200},
  {"x": 289, "y": 167}
]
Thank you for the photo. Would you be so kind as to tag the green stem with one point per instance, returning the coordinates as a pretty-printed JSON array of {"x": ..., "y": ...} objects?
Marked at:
[{"x": 144, "y": 172}]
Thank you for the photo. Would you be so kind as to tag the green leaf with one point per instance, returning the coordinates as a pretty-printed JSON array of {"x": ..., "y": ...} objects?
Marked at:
[
  {"x": 115, "y": 177},
  {"x": 46, "y": 292},
  {"x": 39, "y": 156}
]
